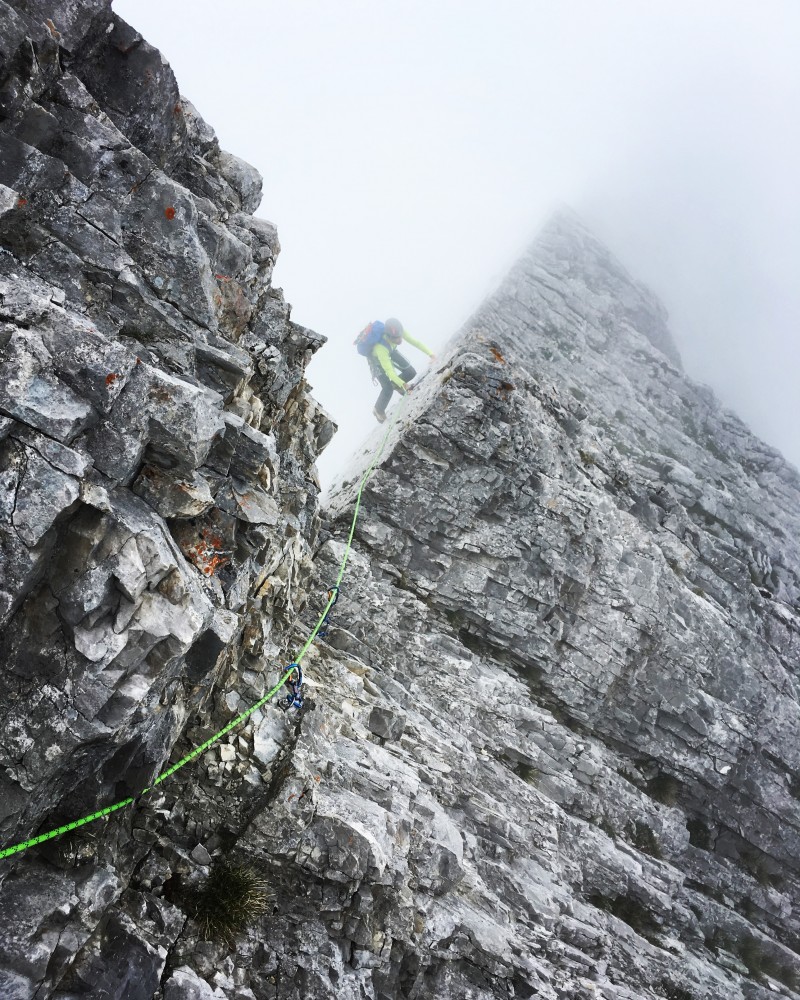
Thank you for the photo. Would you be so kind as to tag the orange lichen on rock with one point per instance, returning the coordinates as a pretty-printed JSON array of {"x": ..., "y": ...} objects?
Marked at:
[
  {"x": 497, "y": 355},
  {"x": 111, "y": 378},
  {"x": 169, "y": 212},
  {"x": 207, "y": 554}
]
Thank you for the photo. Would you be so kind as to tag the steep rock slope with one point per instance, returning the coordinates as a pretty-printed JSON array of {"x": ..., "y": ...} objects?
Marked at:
[
  {"x": 554, "y": 750},
  {"x": 158, "y": 497},
  {"x": 550, "y": 744}
]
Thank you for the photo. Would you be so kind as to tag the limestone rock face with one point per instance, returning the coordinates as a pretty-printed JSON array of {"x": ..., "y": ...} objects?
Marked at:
[
  {"x": 576, "y": 577},
  {"x": 550, "y": 741},
  {"x": 158, "y": 498}
]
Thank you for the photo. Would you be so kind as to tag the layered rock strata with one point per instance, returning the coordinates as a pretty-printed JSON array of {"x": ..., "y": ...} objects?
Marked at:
[
  {"x": 550, "y": 744},
  {"x": 554, "y": 746},
  {"x": 158, "y": 498}
]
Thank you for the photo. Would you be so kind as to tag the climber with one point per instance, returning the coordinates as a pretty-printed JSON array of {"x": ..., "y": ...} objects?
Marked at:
[
  {"x": 294, "y": 688},
  {"x": 379, "y": 343}
]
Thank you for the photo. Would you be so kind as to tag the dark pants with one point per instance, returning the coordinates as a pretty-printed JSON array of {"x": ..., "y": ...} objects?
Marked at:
[{"x": 404, "y": 370}]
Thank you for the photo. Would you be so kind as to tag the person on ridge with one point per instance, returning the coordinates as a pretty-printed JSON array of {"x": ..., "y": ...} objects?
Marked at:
[{"x": 385, "y": 358}]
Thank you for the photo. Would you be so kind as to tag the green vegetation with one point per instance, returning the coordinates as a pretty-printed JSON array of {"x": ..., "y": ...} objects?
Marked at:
[
  {"x": 645, "y": 840},
  {"x": 675, "y": 566},
  {"x": 529, "y": 773},
  {"x": 758, "y": 865},
  {"x": 664, "y": 788},
  {"x": 760, "y": 963},
  {"x": 233, "y": 897},
  {"x": 632, "y": 912}
]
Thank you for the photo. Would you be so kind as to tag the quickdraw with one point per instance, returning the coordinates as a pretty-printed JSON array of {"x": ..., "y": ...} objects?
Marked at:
[{"x": 332, "y": 598}]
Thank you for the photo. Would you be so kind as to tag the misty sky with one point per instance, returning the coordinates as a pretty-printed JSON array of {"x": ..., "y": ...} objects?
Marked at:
[{"x": 410, "y": 151}]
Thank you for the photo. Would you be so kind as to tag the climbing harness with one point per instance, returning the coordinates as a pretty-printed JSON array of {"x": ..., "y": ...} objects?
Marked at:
[{"x": 333, "y": 596}]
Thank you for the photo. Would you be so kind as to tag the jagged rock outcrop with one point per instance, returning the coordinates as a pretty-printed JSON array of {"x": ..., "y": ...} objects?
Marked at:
[
  {"x": 554, "y": 751},
  {"x": 158, "y": 498},
  {"x": 550, "y": 745},
  {"x": 577, "y": 580}
]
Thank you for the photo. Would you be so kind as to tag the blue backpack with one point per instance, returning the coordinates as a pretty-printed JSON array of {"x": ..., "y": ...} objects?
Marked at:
[{"x": 369, "y": 337}]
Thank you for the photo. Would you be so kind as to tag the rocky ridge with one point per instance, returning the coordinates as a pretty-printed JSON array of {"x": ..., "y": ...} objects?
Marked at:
[
  {"x": 158, "y": 499},
  {"x": 550, "y": 744},
  {"x": 577, "y": 582}
]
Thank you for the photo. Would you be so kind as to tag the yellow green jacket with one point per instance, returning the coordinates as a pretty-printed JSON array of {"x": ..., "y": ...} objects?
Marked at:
[{"x": 382, "y": 354}]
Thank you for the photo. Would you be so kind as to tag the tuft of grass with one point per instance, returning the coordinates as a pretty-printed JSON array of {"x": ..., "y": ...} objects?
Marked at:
[
  {"x": 664, "y": 788},
  {"x": 529, "y": 773},
  {"x": 643, "y": 837},
  {"x": 607, "y": 828},
  {"x": 760, "y": 963},
  {"x": 675, "y": 566},
  {"x": 757, "y": 865},
  {"x": 631, "y": 911},
  {"x": 233, "y": 897},
  {"x": 752, "y": 955}
]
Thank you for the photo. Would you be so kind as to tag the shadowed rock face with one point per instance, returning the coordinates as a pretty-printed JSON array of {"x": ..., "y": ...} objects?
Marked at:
[
  {"x": 157, "y": 491},
  {"x": 577, "y": 580},
  {"x": 550, "y": 745}
]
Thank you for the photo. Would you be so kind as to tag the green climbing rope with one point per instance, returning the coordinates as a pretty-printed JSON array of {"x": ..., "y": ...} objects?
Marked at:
[
  {"x": 361, "y": 485},
  {"x": 108, "y": 810}
]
